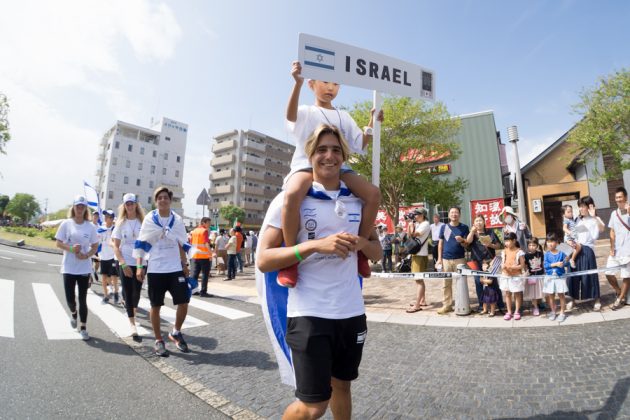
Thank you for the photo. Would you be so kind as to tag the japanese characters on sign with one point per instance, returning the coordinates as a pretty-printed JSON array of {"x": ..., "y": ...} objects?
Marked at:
[
  {"x": 383, "y": 218},
  {"x": 490, "y": 209}
]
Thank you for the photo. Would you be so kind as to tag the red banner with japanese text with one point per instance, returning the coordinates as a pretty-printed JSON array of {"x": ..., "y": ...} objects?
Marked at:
[
  {"x": 490, "y": 209},
  {"x": 383, "y": 218}
]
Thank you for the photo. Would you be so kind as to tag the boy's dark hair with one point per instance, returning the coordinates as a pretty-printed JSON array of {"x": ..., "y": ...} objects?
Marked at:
[
  {"x": 622, "y": 190},
  {"x": 162, "y": 189},
  {"x": 552, "y": 237}
]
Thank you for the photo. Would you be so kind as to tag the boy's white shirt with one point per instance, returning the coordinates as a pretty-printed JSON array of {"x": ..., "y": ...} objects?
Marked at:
[{"x": 309, "y": 117}]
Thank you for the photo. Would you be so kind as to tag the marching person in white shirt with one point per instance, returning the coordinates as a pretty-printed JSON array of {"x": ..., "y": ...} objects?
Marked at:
[
  {"x": 326, "y": 326},
  {"x": 163, "y": 237},
  {"x": 78, "y": 239},
  {"x": 106, "y": 252}
]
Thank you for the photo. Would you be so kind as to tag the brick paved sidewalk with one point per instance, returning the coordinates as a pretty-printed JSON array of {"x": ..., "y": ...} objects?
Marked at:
[{"x": 387, "y": 300}]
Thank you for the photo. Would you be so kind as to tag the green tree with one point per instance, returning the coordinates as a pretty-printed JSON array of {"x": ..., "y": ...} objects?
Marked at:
[
  {"x": 4, "y": 200},
  {"x": 605, "y": 124},
  {"x": 59, "y": 214},
  {"x": 23, "y": 206},
  {"x": 5, "y": 136},
  {"x": 412, "y": 130},
  {"x": 232, "y": 212}
]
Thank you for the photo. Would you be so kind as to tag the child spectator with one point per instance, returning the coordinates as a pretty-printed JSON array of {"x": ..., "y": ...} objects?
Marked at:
[
  {"x": 568, "y": 226},
  {"x": 555, "y": 261},
  {"x": 301, "y": 122},
  {"x": 534, "y": 264},
  {"x": 511, "y": 282}
]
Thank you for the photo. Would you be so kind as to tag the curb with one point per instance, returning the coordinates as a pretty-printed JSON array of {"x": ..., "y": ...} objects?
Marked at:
[{"x": 30, "y": 247}]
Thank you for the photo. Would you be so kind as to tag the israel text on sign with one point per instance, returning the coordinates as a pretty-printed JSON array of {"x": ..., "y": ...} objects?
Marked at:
[{"x": 324, "y": 59}]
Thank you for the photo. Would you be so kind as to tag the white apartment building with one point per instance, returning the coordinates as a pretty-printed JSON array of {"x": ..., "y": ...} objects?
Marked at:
[
  {"x": 247, "y": 171},
  {"x": 137, "y": 160}
]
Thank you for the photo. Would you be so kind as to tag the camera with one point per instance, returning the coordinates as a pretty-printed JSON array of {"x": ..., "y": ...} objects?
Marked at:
[{"x": 410, "y": 216}]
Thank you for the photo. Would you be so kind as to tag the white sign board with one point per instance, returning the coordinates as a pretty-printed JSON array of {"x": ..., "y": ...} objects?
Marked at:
[{"x": 323, "y": 59}]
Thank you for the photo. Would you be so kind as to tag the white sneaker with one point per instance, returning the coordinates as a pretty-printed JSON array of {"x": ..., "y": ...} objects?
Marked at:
[
  {"x": 569, "y": 305},
  {"x": 572, "y": 264},
  {"x": 84, "y": 335}
]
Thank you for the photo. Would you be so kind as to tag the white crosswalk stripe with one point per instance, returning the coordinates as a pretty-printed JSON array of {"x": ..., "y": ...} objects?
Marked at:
[
  {"x": 168, "y": 314},
  {"x": 54, "y": 317},
  {"x": 7, "y": 290},
  {"x": 112, "y": 317},
  {"x": 223, "y": 311}
]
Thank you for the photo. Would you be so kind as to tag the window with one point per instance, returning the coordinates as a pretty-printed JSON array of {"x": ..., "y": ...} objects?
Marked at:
[
  {"x": 112, "y": 177},
  {"x": 140, "y": 166},
  {"x": 155, "y": 153},
  {"x": 150, "y": 184},
  {"x": 128, "y": 164},
  {"x": 126, "y": 180},
  {"x": 109, "y": 145},
  {"x": 142, "y": 150},
  {"x": 163, "y": 171},
  {"x": 165, "y": 156},
  {"x": 167, "y": 138},
  {"x": 152, "y": 169},
  {"x": 117, "y": 145},
  {"x": 149, "y": 200},
  {"x": 114, "y": 161},
  {"x": 110, "y": 195},
  {"x": 130, "y": 148},
  {"x": 177, "y": 173},
  {"x": 138, "y": 182},
  {"x": 102, "y": 194},
  {"x": 178, "y": 159}
]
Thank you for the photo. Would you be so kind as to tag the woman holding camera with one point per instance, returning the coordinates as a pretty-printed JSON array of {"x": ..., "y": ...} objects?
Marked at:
[{"x": 420, "y": 230}]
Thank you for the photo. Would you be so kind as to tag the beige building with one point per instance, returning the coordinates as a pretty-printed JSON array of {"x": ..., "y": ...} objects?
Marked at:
[
  {"x": 247, "y": 171},
  {"x": 556, "y": 177}
]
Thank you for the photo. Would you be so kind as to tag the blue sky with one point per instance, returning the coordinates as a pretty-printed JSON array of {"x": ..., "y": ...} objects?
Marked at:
[{"x": 71, "y": 68}]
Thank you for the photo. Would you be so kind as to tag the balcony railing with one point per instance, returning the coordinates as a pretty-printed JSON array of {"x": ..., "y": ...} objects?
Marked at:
[
  {"x": 226, "y": 145},
  {"x": 222, "y": 175},
  {"x": 223, "y": 160}
]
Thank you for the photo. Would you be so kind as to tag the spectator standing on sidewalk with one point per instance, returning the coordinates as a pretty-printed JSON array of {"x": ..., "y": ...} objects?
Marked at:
[
  {"x": 451, "y": 253},
  {"x": 202, "y": 258},
  {"x": 619, "y": 225},
  {"x": 483, "y": 245},
  {"x": 511, "y": 223},
  {"x": 240, "y": 241},
  {"x": 254, "y": 246},
  {"x": 232, "y": 253},
  {"x": 222, "y": 256},
  {"x": 420, "y": 230},
  {"x": 436, "y": 227},
  {"x": 398, "y": 243},
  {"x": 386, "y": 243}
]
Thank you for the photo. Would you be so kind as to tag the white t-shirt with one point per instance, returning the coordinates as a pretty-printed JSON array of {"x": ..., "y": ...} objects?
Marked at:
[
  {"x": 127, "y": 232},
  {"x": 221, "y": 242},
  {"x": 587, "y": 230},
  {"x": 309, "y": 117},
  {"x": 328, "y": 286},
  {"x": 71, "y": 233},
  {"x": 424, "y": 230},
  {"x": 435, "y": 231},
  {"x": 622, "y": 234},
  {"x": 164, "y": 254},
  {"x": 107, "y": 250}
]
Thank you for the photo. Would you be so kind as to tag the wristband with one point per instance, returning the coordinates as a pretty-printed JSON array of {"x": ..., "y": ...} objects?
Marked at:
[
  {"x": 70, "y": 249},
  {"x": 123, "y": 265},
  {"x": 297, "y": 253},
  {"x": 140, "y": 266}
]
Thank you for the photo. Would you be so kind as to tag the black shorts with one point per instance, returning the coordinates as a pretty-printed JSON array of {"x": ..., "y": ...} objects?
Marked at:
[
  {"x": 174, "y": 283},
  {"x": 108, "y": 268},
  {"x": 322, "y": 349}
]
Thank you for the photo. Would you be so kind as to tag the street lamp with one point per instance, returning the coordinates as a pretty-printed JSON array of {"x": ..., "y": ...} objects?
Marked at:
[{"x": 513, "y": 138}]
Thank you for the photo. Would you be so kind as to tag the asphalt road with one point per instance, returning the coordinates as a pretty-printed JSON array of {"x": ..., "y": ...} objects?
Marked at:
[
  {"x": 408, "y": 371},
  {"x": 100, "y": 378}
]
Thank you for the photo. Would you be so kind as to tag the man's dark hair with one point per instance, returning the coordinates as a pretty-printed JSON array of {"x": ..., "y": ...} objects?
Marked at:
[
  {"x": 204, "y": 220},
  {"x": 622, "y": 190},
  {"x": 162, "y": 189},
  {"x": 456, "y": 208}
]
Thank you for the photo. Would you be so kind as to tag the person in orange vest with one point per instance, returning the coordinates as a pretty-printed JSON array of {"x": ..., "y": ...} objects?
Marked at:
[{"x": 202, "y": 260}]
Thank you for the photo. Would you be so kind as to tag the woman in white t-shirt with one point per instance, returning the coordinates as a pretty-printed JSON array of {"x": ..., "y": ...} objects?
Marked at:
[
  {"x": 78, "y": 239},
  {"x": 127, "y": 230}
]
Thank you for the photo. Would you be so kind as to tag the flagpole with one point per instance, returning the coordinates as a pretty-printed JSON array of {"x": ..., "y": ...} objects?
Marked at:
[{"x": 376, "y": 140}]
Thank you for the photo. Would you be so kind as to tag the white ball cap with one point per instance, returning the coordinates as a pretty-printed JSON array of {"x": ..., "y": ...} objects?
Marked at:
[{"x": 130, "y": 197}]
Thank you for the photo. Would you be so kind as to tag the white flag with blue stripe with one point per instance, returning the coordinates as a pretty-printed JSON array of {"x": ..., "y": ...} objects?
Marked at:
[
  {"x": 91, "y": 195},
  {"x": 319, "y": 57}
]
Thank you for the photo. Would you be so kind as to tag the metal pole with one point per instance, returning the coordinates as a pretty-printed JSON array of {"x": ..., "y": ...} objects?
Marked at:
[
  {"x": 522, "y": 202},
  {"x": 376, "y": 141}
]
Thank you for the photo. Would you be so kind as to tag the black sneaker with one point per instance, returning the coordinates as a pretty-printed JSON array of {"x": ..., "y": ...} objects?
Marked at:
[
  {"x": 160, "y": 349},
  {"x": 178, "y": 339},
  {"x": 205, "y": 294}
]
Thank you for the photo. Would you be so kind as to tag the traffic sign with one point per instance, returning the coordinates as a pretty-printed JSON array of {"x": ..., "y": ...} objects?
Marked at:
[
  {"x": 332, "y": 61},
  {"x": 203, "y": 198}
]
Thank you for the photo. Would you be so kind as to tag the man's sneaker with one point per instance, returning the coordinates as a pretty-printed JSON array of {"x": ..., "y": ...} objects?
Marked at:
[
  {"x": 287, "y": 277},
  {"x": 105, "y": 300},
  {"x": 116, "y": 299},
  {"x": 551, "y": 316},
  {"x": 205, "y": 294},
  {"x": 364, "y": 265},
  {"x": 160, "y": 349},
  {"x": 84, "y": 335},
  {"x": 561, "y": 318},
  {"x": 73, "y": 321},
  {"x": 178, "y": 339}
]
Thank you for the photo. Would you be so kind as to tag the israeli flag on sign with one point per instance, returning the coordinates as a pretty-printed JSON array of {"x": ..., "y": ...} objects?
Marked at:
[{"x": 319, "y": 57}]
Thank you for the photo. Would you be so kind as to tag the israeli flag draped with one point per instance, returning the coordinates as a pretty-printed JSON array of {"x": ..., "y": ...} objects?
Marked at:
[{"x": 152, "y": 231}]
